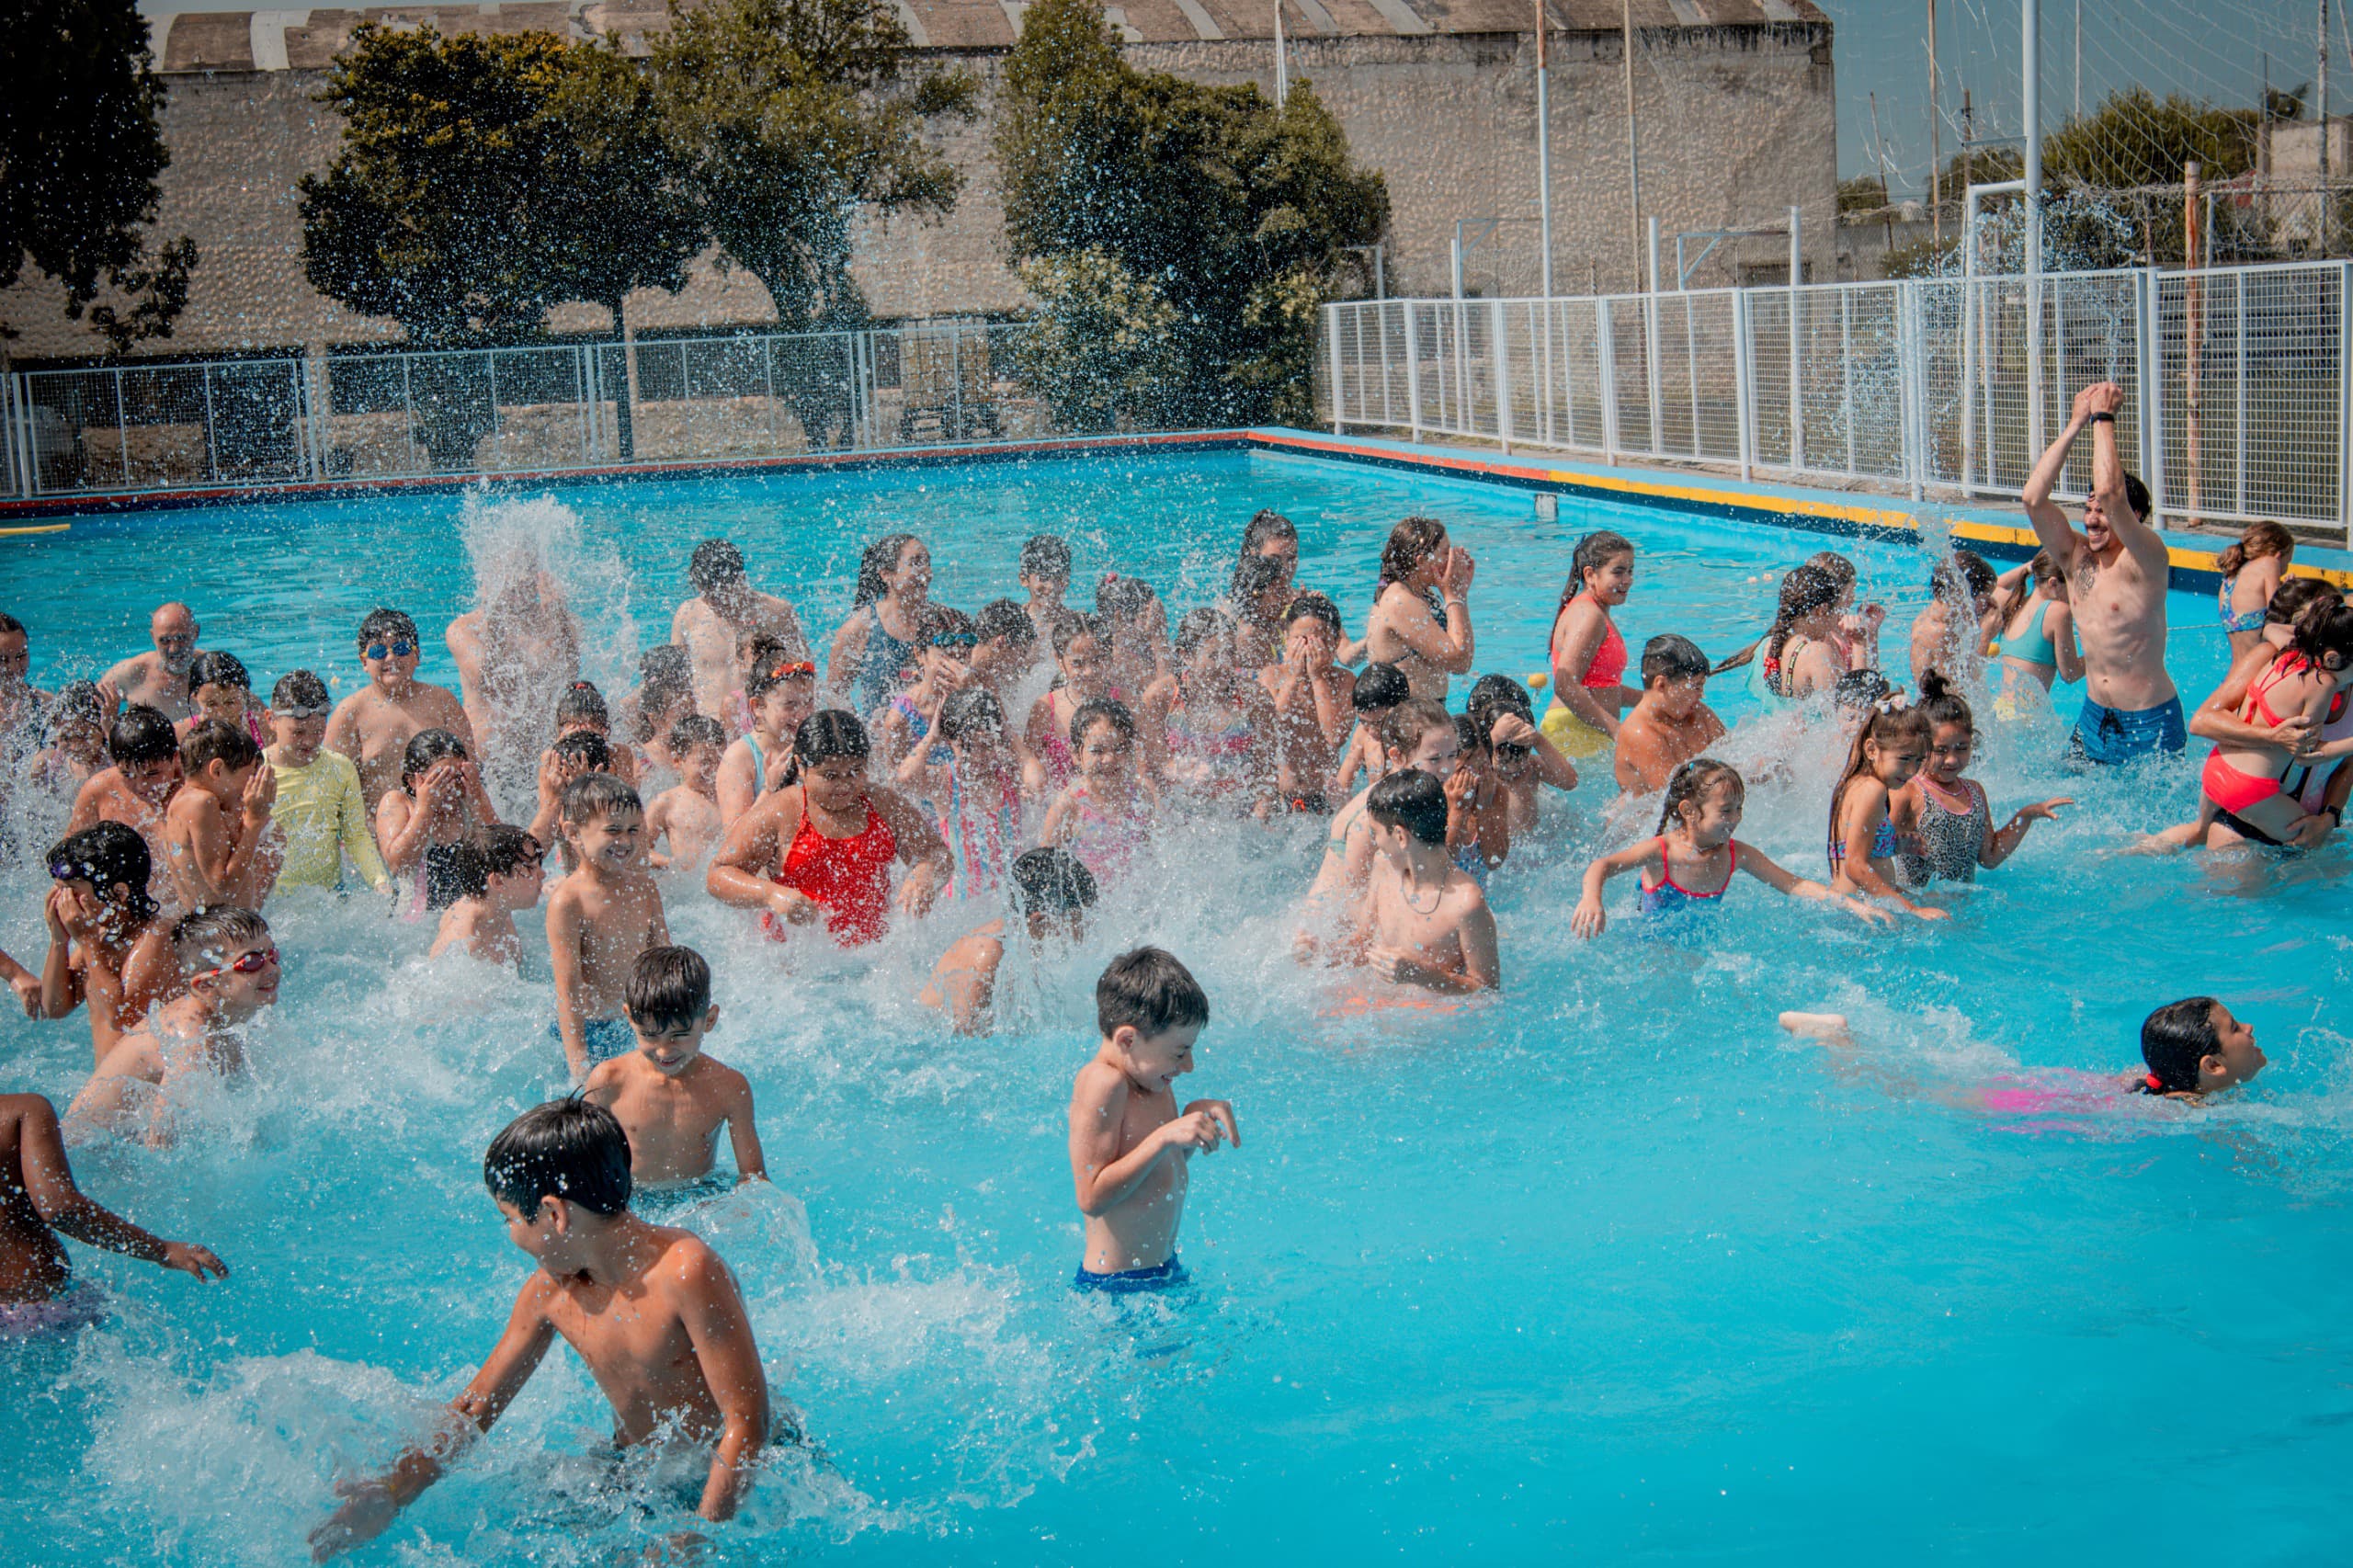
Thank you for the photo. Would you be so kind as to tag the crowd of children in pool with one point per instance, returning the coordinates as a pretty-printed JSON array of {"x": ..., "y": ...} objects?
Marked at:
[{"x": 1013, "y": 785}]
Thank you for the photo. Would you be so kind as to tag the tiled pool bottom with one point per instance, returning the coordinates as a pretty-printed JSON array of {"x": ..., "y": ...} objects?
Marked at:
[{"x": 1604, "y": 1268}]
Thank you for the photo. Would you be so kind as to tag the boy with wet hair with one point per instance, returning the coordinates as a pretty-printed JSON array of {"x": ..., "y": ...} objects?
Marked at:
[
  {"x": 319, "y": 808},
  {"x": 1379, "y": 691},
  {"x": 574, "y": 757},
  {"x": 499, "y": 871},
  {"x": 229, "y": 967},
  {"x": 108, "y": 942},
  {"x": 374, "y": 725},
  {"x": 214, "y": 828},
  {"x": 1045, "y": 577},
  {"x": 1053, "y": 891},
  {"x": 1423, "y": 920},
  {"x": 685, "y": 815},
  {"x": 1131, "y": 1147},
  {"x": 1315, "y": 703},
  {"x": 668, "y": 1096},
  {"x": 599, "y": 919},
  {"x": 651, "y": 1311},
  {"x": 726, "y": 608},
  {"x": 133, "y": 791},
  {"x": 1671, "y": 724}
]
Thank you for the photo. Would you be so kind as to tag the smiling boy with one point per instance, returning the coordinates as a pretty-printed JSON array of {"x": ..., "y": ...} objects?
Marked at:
[
  {"x": 374, "y": 725},
  {"x": 133, "y": 791},
  {"x": 1671, "y": 722},
  {"x": 213, "y": 828},
  {"x": 1131, "y": 1148},
  {"x": 651, "y": 1311},
  {"x": 599, "y": 919},
  {"x": 668, "y": 1096},
  {"x": 320, "y": 809},
  {"x": 230, "y": 968}
]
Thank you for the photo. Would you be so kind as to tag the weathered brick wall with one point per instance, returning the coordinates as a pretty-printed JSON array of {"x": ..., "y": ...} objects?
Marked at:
[{"x": 1738, "y": 124}]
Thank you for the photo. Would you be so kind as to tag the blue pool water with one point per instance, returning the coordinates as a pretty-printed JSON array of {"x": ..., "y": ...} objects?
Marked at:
[{"x": 1608, "y": 1269}]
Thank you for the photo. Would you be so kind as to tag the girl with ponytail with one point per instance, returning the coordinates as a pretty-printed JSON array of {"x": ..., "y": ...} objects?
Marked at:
[
  {"x": 1953, "y": 822},
  {"x": 1888, "y": 750},
  {"x": 1588, "y": 653},
  {"x": 1688, "y": 866},
  {"x": 1421, "y": 612},
  {"x": 2252, "y": 571},
  {"x": 1798, "y": 656}
]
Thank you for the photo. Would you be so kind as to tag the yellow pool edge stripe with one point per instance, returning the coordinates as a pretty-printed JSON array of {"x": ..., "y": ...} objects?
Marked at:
[{"x": 35, "y": 528}]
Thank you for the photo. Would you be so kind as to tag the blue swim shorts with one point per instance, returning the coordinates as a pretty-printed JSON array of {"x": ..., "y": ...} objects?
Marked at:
[
  {"x": 1128, "y": 1282},
  {"x": 605, "y": 1038},
  {"x": 2112, "y": 735}
]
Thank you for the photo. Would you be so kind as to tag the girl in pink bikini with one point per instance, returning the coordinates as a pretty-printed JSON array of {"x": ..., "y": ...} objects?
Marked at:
[
  {"x": 1588, "y": 651},
  {"x": 1687, "y": 868},
  {"x": 1211, "y": 726},
  {"x": 823, "y": 848},
  {"x": 1103, "y": 817},
  {"x": 1083, "y": 655}
]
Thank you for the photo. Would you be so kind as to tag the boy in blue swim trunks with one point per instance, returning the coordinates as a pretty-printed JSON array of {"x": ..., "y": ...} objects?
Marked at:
[
  {"x": 2117, "y": 570},
  {"x": 1131, "y": 1148},
  {"x": 599, "y": 919}
]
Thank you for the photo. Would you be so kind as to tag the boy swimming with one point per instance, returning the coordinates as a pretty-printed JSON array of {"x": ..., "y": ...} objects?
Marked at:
[
  {"x": 1053, "y": 891},
  {"x": 1129, "y": 1147},
  {"x": 229, "y": 968},
  {"x": 668, "y": 1096},
  {"x": 599, "y": 919},
  {"x": 651, "y": 1311},
  {"x": 1423, "y": 920}
]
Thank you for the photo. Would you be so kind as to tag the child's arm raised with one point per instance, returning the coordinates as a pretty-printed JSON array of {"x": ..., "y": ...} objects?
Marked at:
[
  {"x": 25, "y": 984},
  {"x": 2003, "y": 841},
  {"x": 744, "y": 1133},
  {"x": 371, "y": 1506},
  {"x": 721, "y": 1332},
  {"x": 1589, "y": 919},
  {"x": 1761, "y": 866},
  {"x": 565, "y": 930},
  {"x": 62, "y": 985}
]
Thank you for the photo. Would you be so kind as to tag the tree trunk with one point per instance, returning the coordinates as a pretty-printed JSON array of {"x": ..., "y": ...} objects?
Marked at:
[{"x": 624, "y": 421}]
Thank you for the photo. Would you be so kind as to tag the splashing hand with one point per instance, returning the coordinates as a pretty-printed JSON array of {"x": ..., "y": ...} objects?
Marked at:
[
  {"x": 367, "y": 1508},
  {"x": 190, "y": 1258}
]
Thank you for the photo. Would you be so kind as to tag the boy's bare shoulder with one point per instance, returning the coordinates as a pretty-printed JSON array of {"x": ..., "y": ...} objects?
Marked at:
[
  {"x": 606, "y": 1076},
  {"x": 1098, "y": 1083},
  {"x": 724, "y": 1079},
  {"x": 691, "y": 1267}
]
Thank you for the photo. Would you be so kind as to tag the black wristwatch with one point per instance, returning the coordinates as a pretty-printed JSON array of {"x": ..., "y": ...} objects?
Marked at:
[{"x": 2102, "y": 419}]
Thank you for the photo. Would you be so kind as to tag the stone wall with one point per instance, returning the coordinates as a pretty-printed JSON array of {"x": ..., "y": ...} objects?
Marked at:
[{"x": 1738, "y": 124}]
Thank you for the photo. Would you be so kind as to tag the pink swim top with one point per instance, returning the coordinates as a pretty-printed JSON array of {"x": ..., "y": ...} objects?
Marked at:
[{"x": 1608, "y": 663}]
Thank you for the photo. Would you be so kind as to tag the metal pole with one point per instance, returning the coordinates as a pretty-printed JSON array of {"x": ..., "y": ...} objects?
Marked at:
[
  {"x": 1743, "y": 377},
  {"x": 2344, "y": 402},
  {"x": 2079, "y": 64},
  {"x": 1499, "y": 357},
  {"x": 2030, "y": 49},
  {"x": 2193, "y": 346},
  {"x": 1633, "y": 144},
  {"x": 1886, "y": 193},
  {"x": 1544, "y": 146},
  {"x": 1457, "y": 258},
  {"x": 2153, "y": 392},
  {"x": 1907, "y": 379},
  {"x": 2326, "y": 227},
  {"x": 121, "y": 426},
  {"x": 211, "y": 444},
  {"x": 1413, "y": 374},
  {"x": 2238, "y": 385},
  {"x": 1797, "y": 398},
  {"x": 1650, "y": 232},
  {"x": 1282, "y": 64},
  {"x": 1606, "y": 351},
  {"x": 1846, "y": 370},
  {"x": 1339, "y": 396},
  {"x": 1936, "y": 142}
]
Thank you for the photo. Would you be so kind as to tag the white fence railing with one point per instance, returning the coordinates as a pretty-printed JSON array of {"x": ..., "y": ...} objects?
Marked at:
[
  {"x": 264, "y": 422},
  {"x": 2234, "y": 375}
]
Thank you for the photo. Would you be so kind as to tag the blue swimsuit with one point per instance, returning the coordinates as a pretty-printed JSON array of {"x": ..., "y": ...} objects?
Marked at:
[{"x": 1668, "y": 898}]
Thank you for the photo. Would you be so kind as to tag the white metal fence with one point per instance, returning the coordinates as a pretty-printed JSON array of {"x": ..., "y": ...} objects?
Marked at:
[
  {"x": 2234, "y": 375},
  {"x": 264, "y": 421}
]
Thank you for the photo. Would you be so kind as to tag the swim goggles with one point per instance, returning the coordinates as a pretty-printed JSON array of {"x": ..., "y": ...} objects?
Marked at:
[
  {"x": 250, "y": 964},
  {"x": 398, "y": 648},
  {"x": 954, "y": 640},
  {"x": 303, "y": 712}
]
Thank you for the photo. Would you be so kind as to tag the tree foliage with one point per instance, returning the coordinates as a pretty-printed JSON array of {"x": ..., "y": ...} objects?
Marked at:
[
  {"x": 80, "y": 151},
  {"x": 1864, "y": 193},
  {"x": 483, "y": 179},
  {"x": 1202, "y": 220},
  {"x": 787, "y": 117},
  {"x": 2138, "y": 139}
]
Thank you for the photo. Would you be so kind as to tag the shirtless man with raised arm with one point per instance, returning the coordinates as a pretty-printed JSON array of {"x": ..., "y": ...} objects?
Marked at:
[
  {"x": 2116, "y": 570},
  {"x": 159, "y": 679},
  {"x": 725, "y": 606}
]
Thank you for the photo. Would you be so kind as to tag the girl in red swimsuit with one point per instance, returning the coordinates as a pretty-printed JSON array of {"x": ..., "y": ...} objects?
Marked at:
[
  {"x": 823, "y": 848},
  {"x": 1588, "y": 651},
  {"x": 2243, "y": 780}
]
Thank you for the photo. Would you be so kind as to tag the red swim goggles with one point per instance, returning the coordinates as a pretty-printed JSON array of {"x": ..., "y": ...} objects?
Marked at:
[{"x": 249, "y": 963}]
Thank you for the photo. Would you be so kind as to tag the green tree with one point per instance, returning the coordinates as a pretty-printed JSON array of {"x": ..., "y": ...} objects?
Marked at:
[
  {"x": 481, "y": 180},
  {"x": 791, "y": 117},
  {"x": 1864, "y": 193},
  {"x": 1152, "y": 190},
  {"x": 2138, "y": 139},
  {"x": 80, "y": 149}
]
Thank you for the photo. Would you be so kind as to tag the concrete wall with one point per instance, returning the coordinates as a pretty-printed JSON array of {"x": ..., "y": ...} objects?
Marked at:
[{"x": 1738, "y": 124}]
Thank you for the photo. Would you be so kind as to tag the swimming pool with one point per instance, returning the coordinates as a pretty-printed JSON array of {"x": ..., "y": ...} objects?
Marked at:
[{"x": 1608, "y": 1269}]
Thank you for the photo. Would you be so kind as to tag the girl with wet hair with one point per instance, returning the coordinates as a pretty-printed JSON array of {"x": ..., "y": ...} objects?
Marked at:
[
  {"x": 421, "y": 825},
  {"x": 1687, "y": 867},
  {"x": 1798, "y": 656},
  {"x": 2034, "y": 635},
  {"x": 1890, "y": 748},
  {"x": 2194, "y": 1047},
  {"x": 2300, "y": 692},
  {"x": 108, "y": 944},
  {"x": 1421, "y": 611},
  {"x": 1953, "y": 828},
  {"x": 875, "y": 652},
  {"x": 2252, "y": 570},
  {"x": 1588, "y": 654},
  {"x": 219, "y": 687}
]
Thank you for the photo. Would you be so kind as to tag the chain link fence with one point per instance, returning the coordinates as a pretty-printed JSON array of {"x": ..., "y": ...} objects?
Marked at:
[
  {"x": 2235, "y": 376},
  {"x": 228, "y": 424}
]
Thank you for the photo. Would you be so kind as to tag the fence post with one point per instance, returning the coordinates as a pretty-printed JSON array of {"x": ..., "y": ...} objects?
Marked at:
[
  {"x": 1339, "y": 398},
  {"x": 2152, "y": 382},
  {"x": 1911, "y": 377},
  {"x": 1605, "y": 345},
  {"x": 1413, "y": 376},
  {"x": 1744, "y": 375},
  {"x": 1797, "y": 386},
  {"x": 2344, "y": 402},
  {"x": 1649, "y": 354},
  {"x": 1499, "y": 357}
]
